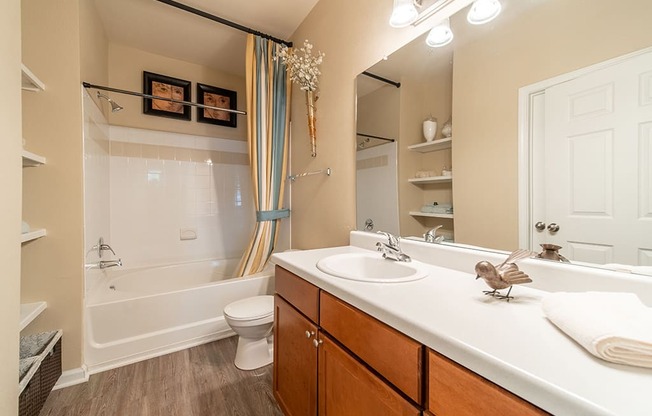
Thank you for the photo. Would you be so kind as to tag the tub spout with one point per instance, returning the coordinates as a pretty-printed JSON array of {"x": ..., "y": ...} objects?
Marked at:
[{"x": 103, "y": 264}]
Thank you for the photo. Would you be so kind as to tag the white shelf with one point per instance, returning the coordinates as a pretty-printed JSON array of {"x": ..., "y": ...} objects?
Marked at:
[
  {"x": 30, "y": 82},
  {"x": 29, "y": 312},
  {"x": 430, "y": 214},
  {"x": 30, "y": 159},
  {"x": 432, "y": 146},
  {"x": 431, "y": 179},
  {"x": 33, "y": 235}
]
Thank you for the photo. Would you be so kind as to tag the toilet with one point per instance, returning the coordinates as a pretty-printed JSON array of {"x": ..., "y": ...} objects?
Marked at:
[{"x": 252, "y": 319}]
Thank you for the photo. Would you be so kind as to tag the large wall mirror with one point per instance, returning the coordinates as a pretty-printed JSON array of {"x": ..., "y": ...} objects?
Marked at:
[{"x": 550, "y": 107}]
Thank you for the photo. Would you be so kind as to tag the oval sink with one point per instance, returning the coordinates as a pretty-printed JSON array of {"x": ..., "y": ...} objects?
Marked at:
[{"x": 369, "y": 267}]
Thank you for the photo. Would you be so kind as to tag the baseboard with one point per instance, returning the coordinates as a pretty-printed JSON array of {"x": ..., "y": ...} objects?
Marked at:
[{"x": 71, "y": 377}]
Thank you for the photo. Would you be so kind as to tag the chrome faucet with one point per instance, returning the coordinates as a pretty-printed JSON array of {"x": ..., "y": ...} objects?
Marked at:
[
  {"x": 431, "y": 235},
  {"x": 101, "y": 246},
  {"x": 392, "y": 249},
  {"x": 103, "y": 264}
]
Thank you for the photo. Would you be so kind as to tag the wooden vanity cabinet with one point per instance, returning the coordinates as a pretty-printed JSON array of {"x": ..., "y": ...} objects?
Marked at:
[{"x": 455, "y": 391}]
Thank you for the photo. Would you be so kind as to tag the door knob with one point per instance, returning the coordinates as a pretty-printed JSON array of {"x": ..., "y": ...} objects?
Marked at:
[
  {"x": 317, "y": 342},
  {"x": 309, "y": 334},
  {"x": 540, "y": 226},
  {"x": 553, "y": 228}
]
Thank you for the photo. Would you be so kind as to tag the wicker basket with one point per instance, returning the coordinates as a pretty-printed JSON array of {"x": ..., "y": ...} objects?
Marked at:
[{"x": 45, "y": 350}]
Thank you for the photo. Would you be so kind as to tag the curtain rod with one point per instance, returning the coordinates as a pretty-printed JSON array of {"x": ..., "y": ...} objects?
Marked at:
[
  {"x": 375, "y": 137},
  {"x": 156, "y": 97},
  {"x": 224, "y": 21},
  {"x": 379, "y": 78}
]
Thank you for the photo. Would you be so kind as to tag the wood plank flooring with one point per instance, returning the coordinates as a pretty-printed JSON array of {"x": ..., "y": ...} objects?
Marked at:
[{"x": 200, "y": 381}]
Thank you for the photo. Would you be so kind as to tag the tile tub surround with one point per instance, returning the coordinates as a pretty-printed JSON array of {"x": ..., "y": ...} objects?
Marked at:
[
  {"x": 162, "y": 183},
  {"x": 511, "y": 344}
]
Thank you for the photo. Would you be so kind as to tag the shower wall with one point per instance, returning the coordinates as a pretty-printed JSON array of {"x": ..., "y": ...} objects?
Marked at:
[{"x": 178, "y": 197}]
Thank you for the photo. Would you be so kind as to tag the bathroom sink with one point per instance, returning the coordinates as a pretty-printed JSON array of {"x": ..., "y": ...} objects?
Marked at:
[{"x": 370, "y": 267}]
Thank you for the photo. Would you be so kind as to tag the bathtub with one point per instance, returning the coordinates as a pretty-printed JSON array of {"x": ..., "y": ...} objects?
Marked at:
[{"x": 136, "y": 314}]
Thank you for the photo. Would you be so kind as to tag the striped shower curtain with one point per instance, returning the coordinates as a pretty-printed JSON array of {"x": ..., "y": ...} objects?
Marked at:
[{"x": 268, "y": 119}]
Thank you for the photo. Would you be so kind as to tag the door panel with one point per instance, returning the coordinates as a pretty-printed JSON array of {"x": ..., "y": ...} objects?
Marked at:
[{"x": 295, "y": 361}]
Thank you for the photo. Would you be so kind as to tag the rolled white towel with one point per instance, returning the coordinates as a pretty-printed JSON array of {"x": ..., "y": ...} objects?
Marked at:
[{"x": 616, "y": 327}]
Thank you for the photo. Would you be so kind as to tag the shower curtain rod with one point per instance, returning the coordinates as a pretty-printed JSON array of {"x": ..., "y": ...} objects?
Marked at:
[
  {"x": 224, "y": 21},
  {"x": 375, "y": 137},
  {"x": 155, "y": 97},
  {"x": 379, "y": 78}
]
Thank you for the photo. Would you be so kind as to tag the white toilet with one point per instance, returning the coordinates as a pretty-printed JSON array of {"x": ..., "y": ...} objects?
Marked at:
[{"x": 252, "y": 319}]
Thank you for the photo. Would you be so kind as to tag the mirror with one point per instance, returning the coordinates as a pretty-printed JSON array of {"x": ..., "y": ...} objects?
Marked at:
[{"x": 499, "y": 152}]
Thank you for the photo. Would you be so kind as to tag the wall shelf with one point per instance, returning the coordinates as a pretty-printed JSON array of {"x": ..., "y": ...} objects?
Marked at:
[
  {"x": 31, "y": 159},
  {"x": 29, "y": 312},
  {"x": 33, "y": 235},
  {"x": 30, "y": 82},
  {"x": 432, "y": 146},
  {"x": 431, "y": 179},
  {"x": 430, "y": 214}
]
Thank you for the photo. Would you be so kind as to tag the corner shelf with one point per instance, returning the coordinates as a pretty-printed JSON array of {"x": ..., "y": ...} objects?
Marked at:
[
  {"x": 31, "y": 159},
  {"x": 430, "y": 214},
  {"x": 30, "y": 82},
  {"x": 431, "y": 179},
  {"x": 432, "y": 146},
  {"x": 33, "y": 235},
  {"x": 29, "y": 312}
]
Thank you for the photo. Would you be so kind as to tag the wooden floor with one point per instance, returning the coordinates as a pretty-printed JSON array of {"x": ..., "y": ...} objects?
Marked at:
[{"x": 199, "y": 381}]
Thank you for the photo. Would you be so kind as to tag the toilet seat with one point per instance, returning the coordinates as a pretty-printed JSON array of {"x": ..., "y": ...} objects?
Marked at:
[{"x": 253, "y": 308}]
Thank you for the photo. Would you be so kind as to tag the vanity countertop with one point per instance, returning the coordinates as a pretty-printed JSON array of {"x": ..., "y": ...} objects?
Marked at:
[{"x": 512, "y": 344}]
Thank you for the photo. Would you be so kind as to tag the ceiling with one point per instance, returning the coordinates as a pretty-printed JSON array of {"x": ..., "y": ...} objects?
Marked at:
[{"x": 165, "y": 30}]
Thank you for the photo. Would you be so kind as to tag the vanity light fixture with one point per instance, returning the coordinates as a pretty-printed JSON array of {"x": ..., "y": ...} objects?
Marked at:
[
  {"x": 404, "y": 13},
  {"x": 483, "y": 11},
  {"x": 440, "y": 35}
]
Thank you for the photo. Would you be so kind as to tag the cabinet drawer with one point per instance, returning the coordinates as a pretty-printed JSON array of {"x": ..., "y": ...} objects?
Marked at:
[
  {"x": 456, "y": 391},
  {"x": 302, "y": 295},
  {"x": 392, "y": 354}
]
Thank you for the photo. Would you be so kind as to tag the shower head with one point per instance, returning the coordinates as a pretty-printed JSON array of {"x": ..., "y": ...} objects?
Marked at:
[{"x": 115, "y": 107}]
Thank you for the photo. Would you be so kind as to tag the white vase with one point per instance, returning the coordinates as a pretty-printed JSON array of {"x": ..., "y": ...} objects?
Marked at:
[
  {"x": 447, "y": 130},
  {"x": 430, "y": 129}
]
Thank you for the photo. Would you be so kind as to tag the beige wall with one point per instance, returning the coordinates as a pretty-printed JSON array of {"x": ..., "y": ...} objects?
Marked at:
[
  {"x": 126, "y": 66},
  {"x": 52, "y": 267},
  {"x": 354, "y": 35},
  {"x": 10, "y": 183},
  {"x": 94, "y": 49},
  {"x": 557, "y": 36}
]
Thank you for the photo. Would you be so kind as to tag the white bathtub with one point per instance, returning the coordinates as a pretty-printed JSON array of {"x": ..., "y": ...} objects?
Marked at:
[{"x": 141, "y": 313}]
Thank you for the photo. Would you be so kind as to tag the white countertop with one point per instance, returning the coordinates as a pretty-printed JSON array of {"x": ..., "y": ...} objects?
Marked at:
[{"x": 512, "y": 344}]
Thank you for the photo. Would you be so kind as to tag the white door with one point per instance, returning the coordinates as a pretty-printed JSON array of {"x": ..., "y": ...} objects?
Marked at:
[{"x": 598, "y": 180}]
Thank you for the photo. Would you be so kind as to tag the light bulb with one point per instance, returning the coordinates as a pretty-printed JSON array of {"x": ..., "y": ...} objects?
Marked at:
[
  {"x": 483, "y": 11},
  {"x": 404, "y": 13},
  {"x": 440, "y": 35}
]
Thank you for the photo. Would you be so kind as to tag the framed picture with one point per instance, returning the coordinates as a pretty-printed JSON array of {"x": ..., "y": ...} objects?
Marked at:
[
  {"x": 167, "y": 87},
  {"x": 216, "y": 97}
]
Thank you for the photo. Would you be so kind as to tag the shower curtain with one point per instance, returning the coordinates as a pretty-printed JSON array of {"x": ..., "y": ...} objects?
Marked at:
[{"x": 268, "y": 119}]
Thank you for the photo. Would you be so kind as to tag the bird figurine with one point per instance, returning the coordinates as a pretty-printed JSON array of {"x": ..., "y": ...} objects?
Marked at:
[{"x": 503, "y": 276}]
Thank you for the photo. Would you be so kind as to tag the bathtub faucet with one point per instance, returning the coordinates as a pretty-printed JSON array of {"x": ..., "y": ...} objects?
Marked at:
[{"x": 109, "y": 263}]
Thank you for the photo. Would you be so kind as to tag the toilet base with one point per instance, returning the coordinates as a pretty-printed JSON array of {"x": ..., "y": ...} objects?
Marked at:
[{"x": 252, "y": 353}]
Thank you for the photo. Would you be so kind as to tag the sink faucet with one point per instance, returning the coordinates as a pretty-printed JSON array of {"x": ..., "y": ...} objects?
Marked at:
[
  {"x": 431, "y": 235},
  {"x": 392, "y": 249}
]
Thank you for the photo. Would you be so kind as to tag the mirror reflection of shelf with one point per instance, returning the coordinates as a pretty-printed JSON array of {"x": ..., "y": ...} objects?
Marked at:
[
  {"x": 33, "y": 235},
  {"x": 29, "y": 312},
  {"x": 432, "y": 146},
  {"x": 430, "y": 214},
  {"x": 431, "y": 179},
  {"x": 30, "y": 159},
  {"x": 29, "y": 81}
]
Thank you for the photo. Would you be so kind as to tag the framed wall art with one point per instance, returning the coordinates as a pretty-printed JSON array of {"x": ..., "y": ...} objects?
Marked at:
[
  {"x": 167, "y": 87},
  {"x": 216, "y": 97}
]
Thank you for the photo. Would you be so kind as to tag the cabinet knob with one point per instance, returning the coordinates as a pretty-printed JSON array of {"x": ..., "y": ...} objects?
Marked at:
[
  {"x": 540, "y": 226},
  {"x": 317, "y": 342},
  {"x": 309, "y": 334}
]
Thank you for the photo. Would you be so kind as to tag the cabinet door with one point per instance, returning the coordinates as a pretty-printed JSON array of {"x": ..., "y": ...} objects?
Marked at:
[
  {"x": 348, "y": 388},
  {"x": 295, "y": 361}
]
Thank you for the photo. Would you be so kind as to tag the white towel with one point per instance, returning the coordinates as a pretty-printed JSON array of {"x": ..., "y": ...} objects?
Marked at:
[{"x": 616, "y": 327}]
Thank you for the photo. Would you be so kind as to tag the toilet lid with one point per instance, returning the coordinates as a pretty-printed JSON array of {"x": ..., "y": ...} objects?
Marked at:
[{"x": 251, "y": 308}]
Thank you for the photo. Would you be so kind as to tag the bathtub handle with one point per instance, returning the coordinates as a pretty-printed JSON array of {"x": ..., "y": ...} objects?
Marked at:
[
  {"x": 309, "y": 334},
  {"x": 102, "y": 246}
]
